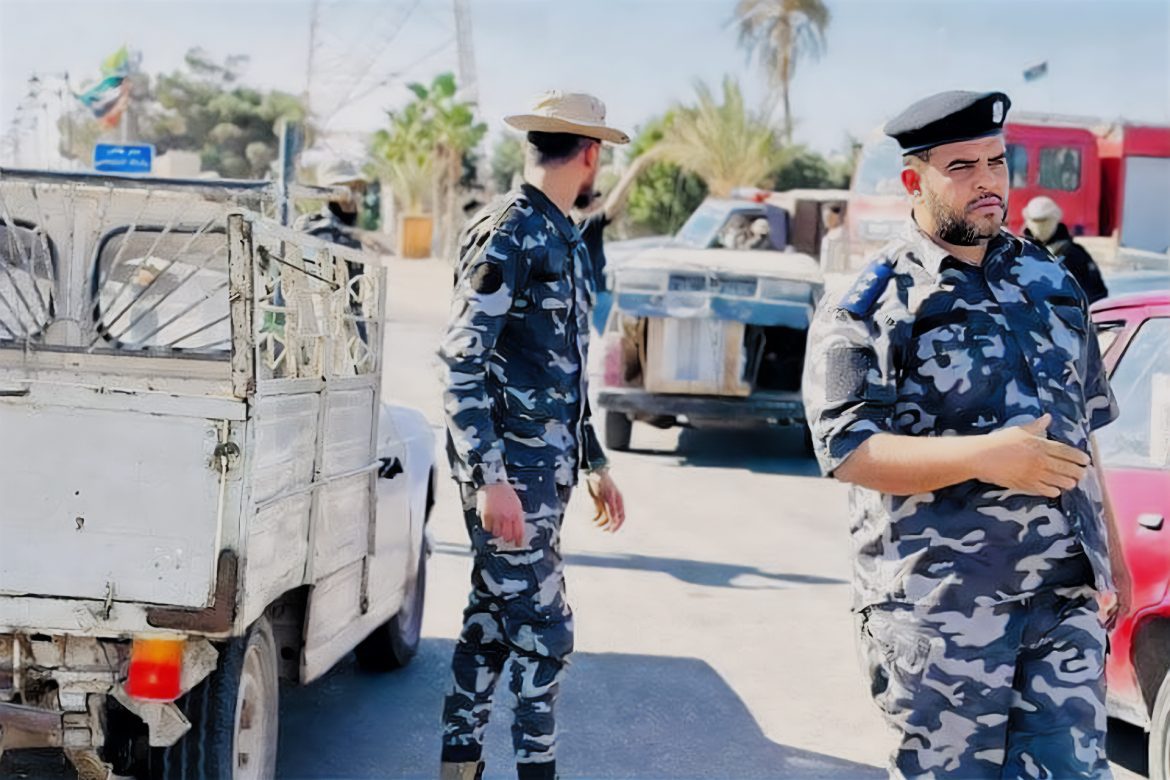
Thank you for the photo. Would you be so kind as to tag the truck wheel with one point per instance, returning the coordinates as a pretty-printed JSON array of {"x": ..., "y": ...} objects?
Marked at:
[
  {"x": 1159, "y": 750},
  {"x": 233, "y": 714},
  {"x": 618, "y": 428},
  {"x": 806, "y": 440},
  {"x": 393, "y": 644}
]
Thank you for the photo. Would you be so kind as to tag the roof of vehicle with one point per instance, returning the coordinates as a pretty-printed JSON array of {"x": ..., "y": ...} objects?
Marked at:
[
  {"x": 795, "y": 266},
  {"x": 1133, "y": 301},
  {"x": 730, "y": 204}
]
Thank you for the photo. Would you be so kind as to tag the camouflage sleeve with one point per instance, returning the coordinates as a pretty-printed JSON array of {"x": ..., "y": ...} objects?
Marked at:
[
  {"x": 593, "y": 456},
  {"x": 848, "y": 389},
  {"x": 484, "y": 293}
]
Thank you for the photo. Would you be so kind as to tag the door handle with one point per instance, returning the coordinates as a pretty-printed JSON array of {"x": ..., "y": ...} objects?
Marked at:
[
  {"x": 14, "y": 392},
  {"x": 1151, "y": 521},
  {"x": 390, "y": 468}
]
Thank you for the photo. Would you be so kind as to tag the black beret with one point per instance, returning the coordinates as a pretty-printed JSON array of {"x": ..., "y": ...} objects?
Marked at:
[{"x": 947, "y": 118}]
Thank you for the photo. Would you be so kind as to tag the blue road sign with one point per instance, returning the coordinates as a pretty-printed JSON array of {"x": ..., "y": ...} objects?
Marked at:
[{"x": 123, "y": 158}]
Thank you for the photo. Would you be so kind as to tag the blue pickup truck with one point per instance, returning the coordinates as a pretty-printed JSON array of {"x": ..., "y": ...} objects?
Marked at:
[{"x": 707, "y": 328}]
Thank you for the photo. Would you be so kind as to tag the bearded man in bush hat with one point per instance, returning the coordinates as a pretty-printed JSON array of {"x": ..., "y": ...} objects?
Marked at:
[{"x": 519, "y": 431}]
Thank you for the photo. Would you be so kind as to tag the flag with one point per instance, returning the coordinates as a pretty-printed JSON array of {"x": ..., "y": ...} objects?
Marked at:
[
  {"x": 107, "y": 100},
  {"x": 1036, "y": 72},
  {"x": 117, "y": 64},
  {"x": 111, "y": 112}
]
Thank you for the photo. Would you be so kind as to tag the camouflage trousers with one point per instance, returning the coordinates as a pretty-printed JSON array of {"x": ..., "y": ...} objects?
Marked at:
[
  {"x": 517, "y": 610},
  {"x": 1013, "y": 690}
]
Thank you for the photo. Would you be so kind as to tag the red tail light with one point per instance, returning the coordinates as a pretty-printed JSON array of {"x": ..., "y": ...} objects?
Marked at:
[
  {"x": 611, "y": 352},
  {"x": 156, "y": 668}
]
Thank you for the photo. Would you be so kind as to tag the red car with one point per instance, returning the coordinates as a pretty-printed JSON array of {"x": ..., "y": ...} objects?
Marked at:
[{"x": 1134, "y": 334}]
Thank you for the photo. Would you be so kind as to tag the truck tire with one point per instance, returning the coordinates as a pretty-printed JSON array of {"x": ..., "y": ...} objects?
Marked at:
[
  {"x": 234, "y": 717},
  {"x": 618, "y": 428},
  {"x": 394, "y": 644},
  {"x": 1159, "y": 742},
  {"x": 806, "y": 440}
]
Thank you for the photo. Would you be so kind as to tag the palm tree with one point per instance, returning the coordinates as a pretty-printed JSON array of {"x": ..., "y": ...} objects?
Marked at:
[
  {"x": 426, "y": 143},
  {"x": 779, "y": 33},
  {"x": 722, "y": 143}
]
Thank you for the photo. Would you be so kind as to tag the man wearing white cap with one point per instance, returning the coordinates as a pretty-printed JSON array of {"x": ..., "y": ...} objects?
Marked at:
[
  {"x": 337, "y": 220},
  {"x": 517, "y": 408},
  {"x": 1042, "y": 223}
]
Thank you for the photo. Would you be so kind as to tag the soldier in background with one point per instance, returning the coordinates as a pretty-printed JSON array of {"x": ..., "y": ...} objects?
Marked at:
[
  {"x": 1042, "y": 223},
  {"x": 956, "y": 386},
  {"x": 337, "y": 221},
  {"x": 519, "y": 431}
]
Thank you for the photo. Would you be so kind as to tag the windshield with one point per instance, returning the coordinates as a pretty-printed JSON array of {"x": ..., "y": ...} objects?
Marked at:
[
  {"x": 164, "y": 290},
  {"x": 879, "y": 172},
  {"x": 699, "y": 231}
]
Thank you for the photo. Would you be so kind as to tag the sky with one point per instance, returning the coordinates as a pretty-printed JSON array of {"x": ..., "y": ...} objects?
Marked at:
[{"x": 1106, "y": 58}]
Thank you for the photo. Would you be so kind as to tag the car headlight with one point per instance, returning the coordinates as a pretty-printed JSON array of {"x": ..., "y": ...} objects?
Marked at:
[{"x": 780, "y": 288}]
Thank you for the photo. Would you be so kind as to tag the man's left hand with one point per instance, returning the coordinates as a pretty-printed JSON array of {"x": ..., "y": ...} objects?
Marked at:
[
  {"x": 1114, "y": 605},
  {"x": 607, "y": 501}
]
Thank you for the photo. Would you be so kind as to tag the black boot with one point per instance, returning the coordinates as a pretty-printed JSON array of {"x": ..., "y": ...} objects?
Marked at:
[{"x": 545, "y": 770}]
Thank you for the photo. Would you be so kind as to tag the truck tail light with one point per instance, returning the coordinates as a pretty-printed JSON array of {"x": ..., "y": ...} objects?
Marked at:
[
  {"x": 613, "y": 360},
  {"x": 156, "y": 668}
]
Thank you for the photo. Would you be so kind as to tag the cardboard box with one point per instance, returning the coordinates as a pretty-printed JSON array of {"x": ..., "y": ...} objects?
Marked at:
[{"x": 695, "y": 357}]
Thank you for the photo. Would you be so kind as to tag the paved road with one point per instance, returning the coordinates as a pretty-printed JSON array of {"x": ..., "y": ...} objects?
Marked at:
[{"x": 714, "y": 634}]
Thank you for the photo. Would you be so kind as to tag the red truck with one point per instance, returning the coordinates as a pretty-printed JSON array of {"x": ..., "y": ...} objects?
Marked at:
[{"x": 1111, "y": 180}]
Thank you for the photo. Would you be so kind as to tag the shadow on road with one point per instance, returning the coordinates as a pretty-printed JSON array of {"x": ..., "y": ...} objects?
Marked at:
[
  {"x": 709, "y": 573},
  {"x": 621, "y": 716},
  {"x": 764, "y": 451}
]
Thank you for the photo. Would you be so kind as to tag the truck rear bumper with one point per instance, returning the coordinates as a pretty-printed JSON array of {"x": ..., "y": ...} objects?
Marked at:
[{"x": 771, "y": 408}]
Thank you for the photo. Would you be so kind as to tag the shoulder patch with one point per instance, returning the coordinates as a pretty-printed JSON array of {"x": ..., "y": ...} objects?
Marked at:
[
  {"x": 487, "y": 278},
  {"x": 871, "y": 283}
]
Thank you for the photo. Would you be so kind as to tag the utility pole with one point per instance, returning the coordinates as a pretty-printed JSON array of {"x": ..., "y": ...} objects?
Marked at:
[
  {"x": 468, "y": 83},
  {"x": 314, "y": 20}
]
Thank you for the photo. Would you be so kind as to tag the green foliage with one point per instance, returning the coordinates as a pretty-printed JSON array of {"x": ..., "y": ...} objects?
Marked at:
[
  {"x": 426, "y": 142},
  {"x": 664, "y": 195},
  {"x": 779, "y": 34},
  {"x": 203, "y": 108},
  {"x": 721, "y": 140},
  {"x": 663, "y": 198},
  {"x": 803, "y": 168},
  {"x": 507, "y": 161}
]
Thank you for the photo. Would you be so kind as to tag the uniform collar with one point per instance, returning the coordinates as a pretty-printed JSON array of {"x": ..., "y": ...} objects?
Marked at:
[
  {"x": 545, "y": 206},
  {"x": 932, "y": 257}
]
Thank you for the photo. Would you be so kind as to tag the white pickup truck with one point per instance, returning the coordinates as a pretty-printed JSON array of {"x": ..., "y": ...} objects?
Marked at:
[{"x": 201, "y": 491}]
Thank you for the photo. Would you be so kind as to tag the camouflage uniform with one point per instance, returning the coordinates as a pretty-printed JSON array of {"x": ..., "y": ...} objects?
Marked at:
[
  {"x": 517, "y": 411},
  {"x": 976, "y": 603},
  {"x": 325, "y": 225}
]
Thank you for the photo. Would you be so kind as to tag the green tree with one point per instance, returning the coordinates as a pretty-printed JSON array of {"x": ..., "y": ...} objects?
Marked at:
[
  {"x": 721, "y": 140},
  {"x": 665, "y": 194},
  {"x": 429, "y": 141},
  {"x": 802, "y": 168},
  {"x": 779, "y": 34},
  {"x": 507, "y": 161},
  {"x": 202, "y": 108},
  {"x": 401, "y": 155}
]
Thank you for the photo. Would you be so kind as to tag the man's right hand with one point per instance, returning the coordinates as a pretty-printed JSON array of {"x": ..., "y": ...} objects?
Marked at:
[
  {"x": 501, "y": 513},
  {"x": 1022, "y": 458}
]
